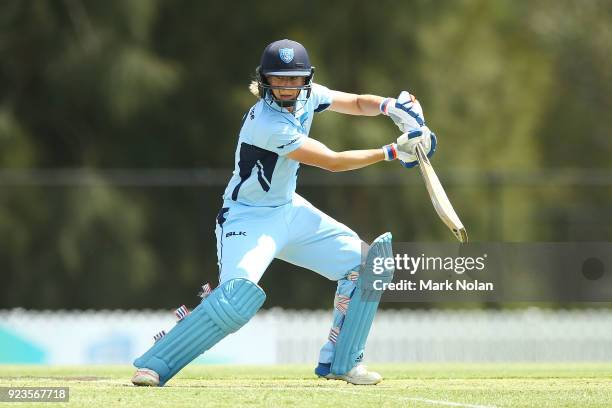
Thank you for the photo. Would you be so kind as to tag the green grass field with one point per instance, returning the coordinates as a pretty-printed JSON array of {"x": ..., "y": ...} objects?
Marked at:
[{"x": 415, "y": 385}]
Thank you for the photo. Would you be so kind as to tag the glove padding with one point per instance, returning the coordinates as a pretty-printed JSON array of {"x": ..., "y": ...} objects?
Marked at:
[
  {"x": 406, "y": 111},
  {"x": 406, "y": 144}
]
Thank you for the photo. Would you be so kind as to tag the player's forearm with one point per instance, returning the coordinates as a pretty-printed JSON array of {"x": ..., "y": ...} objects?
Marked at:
[
  {"x": 315, "y": 153},
  {"x": 369, "y": 105},
  {"x": 355, "y": 159},
  {"x": 353, "y": 104}
]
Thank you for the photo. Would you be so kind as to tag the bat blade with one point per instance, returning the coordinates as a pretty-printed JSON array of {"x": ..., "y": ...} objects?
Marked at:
[{"x": 438, "y": 196}]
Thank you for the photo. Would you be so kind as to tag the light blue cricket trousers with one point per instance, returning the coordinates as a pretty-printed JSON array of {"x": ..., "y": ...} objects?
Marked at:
[{"x": 249, "y": 238}]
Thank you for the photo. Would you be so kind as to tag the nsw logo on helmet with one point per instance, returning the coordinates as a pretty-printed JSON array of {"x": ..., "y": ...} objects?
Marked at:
[{"x": 286, "y": 54}]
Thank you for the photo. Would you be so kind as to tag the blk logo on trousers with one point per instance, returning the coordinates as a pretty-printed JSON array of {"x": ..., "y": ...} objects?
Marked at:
[{"x": 235, "y": 233}]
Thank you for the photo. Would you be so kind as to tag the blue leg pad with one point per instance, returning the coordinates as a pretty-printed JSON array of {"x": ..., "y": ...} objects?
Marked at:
[
  {"x": 362, "y": 308},
  {"x": 229, "y": 307}
]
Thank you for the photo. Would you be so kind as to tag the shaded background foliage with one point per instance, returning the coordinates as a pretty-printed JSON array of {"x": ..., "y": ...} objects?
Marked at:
[{"x": 518, "y": 92}]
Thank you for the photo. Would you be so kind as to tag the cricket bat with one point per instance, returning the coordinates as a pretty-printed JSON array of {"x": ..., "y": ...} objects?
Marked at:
[{"x": 440, "y": 201}]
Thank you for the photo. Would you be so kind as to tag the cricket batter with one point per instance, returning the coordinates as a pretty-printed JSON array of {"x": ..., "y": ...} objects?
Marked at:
[{"x": 263, "y": 218}]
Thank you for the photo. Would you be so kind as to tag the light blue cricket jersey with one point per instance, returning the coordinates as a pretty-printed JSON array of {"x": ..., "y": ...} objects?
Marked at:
[{"x": 263, "y": 176}]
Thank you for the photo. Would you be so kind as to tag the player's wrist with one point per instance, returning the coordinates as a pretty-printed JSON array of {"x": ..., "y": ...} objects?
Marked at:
[
  {"x": 384, "y": 105},
  {"x": 390, "y": 151}
]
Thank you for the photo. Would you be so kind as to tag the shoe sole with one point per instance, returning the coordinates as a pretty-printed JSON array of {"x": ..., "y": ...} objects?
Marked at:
[
  {"x": 354, "y": 382},
  {"x": 144, "y": 380}
]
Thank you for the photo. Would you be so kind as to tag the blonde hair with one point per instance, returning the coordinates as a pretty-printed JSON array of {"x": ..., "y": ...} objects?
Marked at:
[{"x": 254, "y": 89}]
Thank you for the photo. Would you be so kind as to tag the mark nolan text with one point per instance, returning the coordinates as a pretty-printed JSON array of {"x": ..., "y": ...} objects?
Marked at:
[{"x": 430, "y": 285}]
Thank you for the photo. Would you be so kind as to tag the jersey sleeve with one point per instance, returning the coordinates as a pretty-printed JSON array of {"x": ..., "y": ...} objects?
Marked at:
[
  {"x": 322, "y": 97},
  {"x": 280, "y": 137}
]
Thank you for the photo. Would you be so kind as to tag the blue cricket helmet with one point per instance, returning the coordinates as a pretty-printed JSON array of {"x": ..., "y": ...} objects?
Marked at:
[{"x": 284, "y": 58}]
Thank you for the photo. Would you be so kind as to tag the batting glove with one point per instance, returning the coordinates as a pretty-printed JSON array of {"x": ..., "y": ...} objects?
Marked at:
[
  {"x": 406, "y": 111},
  {"x": 404, "y": 148}
]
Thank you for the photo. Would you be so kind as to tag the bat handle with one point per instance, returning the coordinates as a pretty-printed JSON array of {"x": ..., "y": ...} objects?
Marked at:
[{"x": 420, "y": 153}]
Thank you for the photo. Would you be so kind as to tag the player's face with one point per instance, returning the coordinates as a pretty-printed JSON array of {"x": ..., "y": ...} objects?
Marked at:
[{"x": 289, "y": 81}]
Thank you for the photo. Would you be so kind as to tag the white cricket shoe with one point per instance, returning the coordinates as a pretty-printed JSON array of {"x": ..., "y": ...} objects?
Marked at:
[
  {"x": 358, "y": 375},
  {"x": 145, "y": 377}
]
